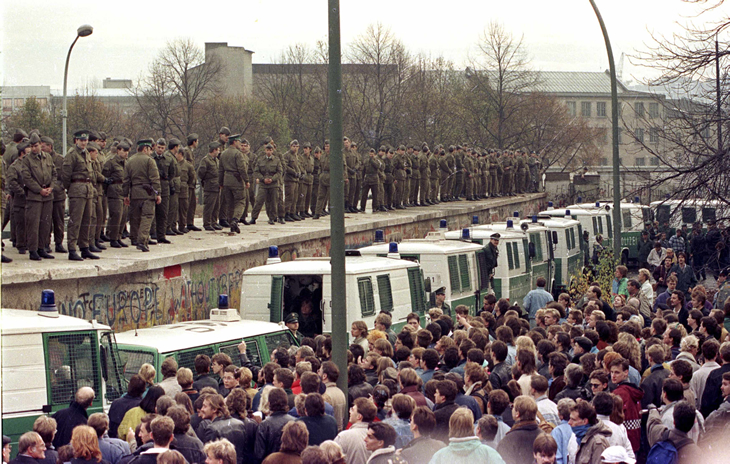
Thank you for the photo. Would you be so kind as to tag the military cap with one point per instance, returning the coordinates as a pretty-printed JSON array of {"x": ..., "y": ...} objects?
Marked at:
[
  {"x": 81, "y": 134},
  {"x": 173, "y": 142},
  {"x": 306, "y": 145},
  {"x": 93, "y": 135},
  {"x": 401, "y": 147},
  {"x": 294, "y": 142},
  {"x": 192, "y": 137},
  {"x": 424, "y": 147},
  {"x": 440, "y": 291},
  {"x": 102, "y": 135},
  {"x": 353, "y": 144},
  {"x": 34, "y": 138},
  {"x": 225, "y": 131},
  {"x": 23, "y": 145},
  {"x": 47, "y": 139},
  {"x": 145, "y": 142},
  {"x": 345, "y": 138},
  {"x": 234, "y": 137},
  {"x": 291, "y": 318},
  {"x": 269, "y": 146},
  {"x": 383, "y": 148},
  {"x": 495, "y": 236},
  {"x": 245, "y": 141},
  {"x": 161, "y": 141},
  {"x": 213, "y": 145},
  {"x": 317, "y": 149},
  {"x": 93, "y": 146},
  {"x": 459, "y": 147},
  {"x": 372, "y": 150},
  {"x": 326, "y": 141},
  {"x": 21, "y": 132},
  {"x": 124, "y": 145}
]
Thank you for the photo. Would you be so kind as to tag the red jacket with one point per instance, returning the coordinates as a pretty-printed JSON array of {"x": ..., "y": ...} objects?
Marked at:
[
  {"x": 296, "y": 388},
  {"x": 631, "y": 395},
  {"x": 412, "y": 391}
]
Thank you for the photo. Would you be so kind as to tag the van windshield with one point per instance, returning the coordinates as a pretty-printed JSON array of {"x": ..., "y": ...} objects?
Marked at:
[
  {"x": 276, "y": 340},
  {"x": 72, "y": 363},
  {"x": 132, "y": 360}
]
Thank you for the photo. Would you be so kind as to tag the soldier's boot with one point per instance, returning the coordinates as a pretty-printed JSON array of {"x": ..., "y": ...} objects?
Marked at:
[
  {"x": 115, "y": 244},
  {"x": 87, "y": 254},
  {"x": 6, "y": 260},
  {"x": 92, "y": 248},
  {"x": 42, "y": 253},
  {"x": 60, "y": 249},
  {"x": 282, "y": 221},
  {"x": 73, "y": 256},
  {"x": 99, "y": 245},
  {"x": 34, "y": 256},
  {"x": 224, "y": 223},
  {"x": 192, "y": 227}
]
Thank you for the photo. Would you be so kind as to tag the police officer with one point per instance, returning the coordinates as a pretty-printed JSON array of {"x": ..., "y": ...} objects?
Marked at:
[
  {"x": 192, "y": 181},
  {"x": 113, "y": 172},
  {"x": 491, "y": 255},
  {"x": 306, "y": 164},
  {"x": 38, "y": 172},
  {"x": 292, "y": 174},
  {"x": 141, "y": 188},
  {"x": 59, "y": 195},
  {"x": 292, "y": 323},
  {"x": 208, "y": 175},
  {"x": 440, "y": 301},
  {"x": 233, "y": 177},
  {"x": 267, "y": 172},
  {"x": 77, "y": 179}
]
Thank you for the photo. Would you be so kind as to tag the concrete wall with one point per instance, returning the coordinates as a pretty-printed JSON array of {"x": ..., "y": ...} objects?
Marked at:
[{"x": 180, "y": 291}]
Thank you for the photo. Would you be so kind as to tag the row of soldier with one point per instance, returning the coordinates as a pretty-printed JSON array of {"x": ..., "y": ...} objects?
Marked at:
[{"x": 293, "y": 186}]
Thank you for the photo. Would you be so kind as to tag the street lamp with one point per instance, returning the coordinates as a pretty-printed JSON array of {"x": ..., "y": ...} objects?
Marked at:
[{"x": 83, "y": 31}]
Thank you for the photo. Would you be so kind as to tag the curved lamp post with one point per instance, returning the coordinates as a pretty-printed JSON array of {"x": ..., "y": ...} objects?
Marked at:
[
  {"x": 614, "y": 118},
  {"x": 83, "y": 31}
]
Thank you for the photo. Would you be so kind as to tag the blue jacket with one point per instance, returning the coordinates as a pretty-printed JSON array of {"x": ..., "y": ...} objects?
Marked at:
[
  {"x": 562, "y": 434},
  {"x": 536, "y": 299}
]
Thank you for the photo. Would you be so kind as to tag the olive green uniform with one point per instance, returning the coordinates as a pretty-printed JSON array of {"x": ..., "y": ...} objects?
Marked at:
[
  {"x": 317, "y": 168},
  {"x": 208, "y": 175},
  {"x": 354, "y": 176},
  {"x": 97, "y": 209},
  {"x": 38, "y": 172},
  {"x": 292, "y": 175},
  {"x": 77, "y": 179},
  {"x": 445, "y": 176},
  {"x": 306, "y": 163},
  {"x": 141, "y": 184},
  {"x": 233, "y": 176},
  {"x": 388, "y": 187},
  {"x": 425, "y": 186},
  {"x": 267, "y": 168},
  {"x": 59, "y": 202},
  {"x": 323, "y": 193},
  {"x": 17, "y": 192},
  {"x": 192, "y": 198},
  {"x": 114, "y": 169},
  {"x": 370, "y": 181},
  {"x": 468, "y": 164},
  {"x": 434, "y": 176},
  {"x": 166, "y": 169},
  {"x": 187, "y": 189},
  {"x": 458, "y": 188},
  {"x": 172, "y": 212},
  {"x": 399, "y": 173}
]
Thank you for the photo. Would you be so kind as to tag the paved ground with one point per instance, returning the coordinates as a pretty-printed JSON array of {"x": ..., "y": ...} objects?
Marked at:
[{"x": 200, "y": 245}]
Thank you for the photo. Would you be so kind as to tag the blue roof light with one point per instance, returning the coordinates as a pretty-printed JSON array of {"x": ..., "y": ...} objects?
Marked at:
[{"x": 222, "y": 301}]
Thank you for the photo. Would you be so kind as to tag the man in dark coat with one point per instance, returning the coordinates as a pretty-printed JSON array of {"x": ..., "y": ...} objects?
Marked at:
[
  {"x": 654, "y": 382},
  {"x": 268, "y": 435},
  {"x": 491, "y": 255},
  {"x": 72, "y": 416},
  {"x": 516, "y": 446},
  {"x": 422, "y": 447},
  {"x": 129, "y": 400},
  {"x": 712, "y": 395},
  {"x": 190, "y": 447},
  {"x": 217, "y": 423},
  {"x": 445, "y": 406},
  {"x": 321, "y": 427}
]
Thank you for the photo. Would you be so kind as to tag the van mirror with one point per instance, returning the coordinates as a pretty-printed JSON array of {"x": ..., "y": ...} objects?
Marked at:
[
  {"x": 555, "y": 237},
  {"x": 427, "y": 285},
  {"x": 531, "y": 250}
]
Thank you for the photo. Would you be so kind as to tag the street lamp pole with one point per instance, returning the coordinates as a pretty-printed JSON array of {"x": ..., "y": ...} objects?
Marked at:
[
  {"x": 614, "y": 118},
  {"x": 83, "y": 31}
]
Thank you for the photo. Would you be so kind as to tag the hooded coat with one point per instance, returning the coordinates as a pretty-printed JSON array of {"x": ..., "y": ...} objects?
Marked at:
[
  {"x": 593, "y": 444},
  {"x": 631, "y": 395},
  {"x": 468, "y": 449}
]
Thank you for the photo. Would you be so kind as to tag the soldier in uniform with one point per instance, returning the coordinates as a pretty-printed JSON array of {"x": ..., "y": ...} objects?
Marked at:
[
  {"x": 192, "y": 181},
  {"x": 468, "y": 163},
  {"x": 306, "y": 163},
  {"x": 533, "y": 164},
  {"x": 400, "y": 177},
  {"x": 458, "y": 186},
  {"x": 520, "y": 169},
  {"x": 268, "y": 173},
  {"x": 233, "y": 177},
  {"x": 173, "y": 146},
  {"x": 141, "y": 186},
  {"x": 496, "y": 175},
  {"x": 208, "y": 175},
  {"x": 100, "y": 139},
  {"x": 38, "y": 171},
  {"x": 5, "y": 199},
  {"x": 370, "y": 180},
  {"x": 353, "y": 164},
  {"x": 388, "y": 185},
  {"x": 17, "y": 192},
  {"x": 491, "y": 256},
  {"x": 222, "y": 208},
  {"x": 316, "y": 169},
  {"x": 166, "y": 170},
  {"x": 292, "y": 175},
  {"x": 185, "y": 168},
  {"x": 11, "y": 151},
  {"x": 444, "y": 176},
  {"x": 434, "y": 176},
  {"x": 506, "y": 164},
  {"x": 77, "y": 179},
  {"x": 424, "y": 186},
  {"x": 97, "y": 209},
  {"x": 485, "y": 175},
  {"x": 59, "y": 195},
  {"x": 113, "y": 172}
]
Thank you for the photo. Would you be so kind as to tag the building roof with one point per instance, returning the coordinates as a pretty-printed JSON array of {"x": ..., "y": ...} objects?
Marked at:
[{"x": 568, "y": 82}]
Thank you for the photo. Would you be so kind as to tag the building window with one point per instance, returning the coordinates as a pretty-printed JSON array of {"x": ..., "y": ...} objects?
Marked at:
[
  {"x": 571, "y": 109},
  {"x": 585, "y": 109},
  {"x": 640, "y": 135},
  {"x": 641, "y": 161},
  {"x": 601, "y": 109},
  {"x": 639, "y": 107},
  {"x": 654, "y": 161},
  {"x": 653, "y": 110},
  {"x": 18, "y": 102},
  {"x": 653, "y": 135},
  {"x": 42, "y": 101},
  {"x": 7, "y": 104}
]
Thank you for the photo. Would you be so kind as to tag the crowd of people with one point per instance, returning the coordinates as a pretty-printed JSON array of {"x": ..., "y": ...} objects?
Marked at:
[
  {"x": 152, "y": 186},
  {"x": 582, "y": 380}
]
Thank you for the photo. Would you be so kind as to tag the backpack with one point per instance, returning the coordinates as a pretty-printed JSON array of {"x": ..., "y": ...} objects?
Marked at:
[
  {"x": 546, "y": 426},
  {"x": 664, "y": 452}
]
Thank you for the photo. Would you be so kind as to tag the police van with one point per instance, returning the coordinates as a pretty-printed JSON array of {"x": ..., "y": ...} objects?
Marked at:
[
  {"x": 222, "y": 333},
  {"x": 46, "y": 358},
  {"x": 569, "y": 250},
  {"x": 513, "y": 274},
  {"x": 594, "y": 220},
  {"x": 539, "y": 248},
  {"x": 273, "y": 291},
  {"x": 680, "y": 212},
  {"x": 457, "y": 266},
  {"x": 633, "y": 217}
]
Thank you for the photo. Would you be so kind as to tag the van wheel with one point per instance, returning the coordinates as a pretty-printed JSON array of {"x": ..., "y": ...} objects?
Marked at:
[{"x": 625, "y": 258}]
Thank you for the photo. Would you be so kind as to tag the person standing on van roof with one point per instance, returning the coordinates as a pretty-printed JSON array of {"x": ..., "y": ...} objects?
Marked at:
[
  {"x": 202, "y": 368},
  {"x": 292, "y": 323},
  {"x": 72, "y": 416},
  {"x": 491, "y": 255}
]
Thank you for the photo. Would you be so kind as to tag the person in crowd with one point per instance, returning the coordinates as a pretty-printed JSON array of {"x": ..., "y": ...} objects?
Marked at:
[
  {"x": 463, "y": 445},
  {"x": 294, "y": 438},
  {"x": 422, "y": 447},
  {"x": 68, "y": 418},
  {"x": 513, "y": 447}
]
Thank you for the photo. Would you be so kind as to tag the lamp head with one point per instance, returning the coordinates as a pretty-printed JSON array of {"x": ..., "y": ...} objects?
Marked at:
[{"x": 84, "y": 31}]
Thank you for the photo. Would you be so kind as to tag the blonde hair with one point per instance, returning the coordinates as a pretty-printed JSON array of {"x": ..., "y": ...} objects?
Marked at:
[
  {"x": 645, "y": 273},
  {"x": 524, "y": 342},
  {"x": 147, "y": 372},
  {"x": 435, "y": 313},
  {"x": 171, "y": 457},
  {"x": 461, "y": 423},
  {"x": 375, "y": 335},
  {"x": 221, "y": 449},
  {"x": 185, "y": 377}
]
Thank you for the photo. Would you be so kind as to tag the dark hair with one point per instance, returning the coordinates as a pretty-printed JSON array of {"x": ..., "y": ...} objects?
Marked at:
[
  {"x": 136, "y": 386},
  {"x": 430, "y": 358},
  {"x": 149, "y": 402},
  {"x": 447, "y": 389},
  {"x": 682, "y": 369},
  {"x": 181, "y": 417},
  {"x": 285, "y": 376},
  {"x": 202, "y": 364},
  {"x": 278, "y": 401},
  {"x": 402, "y": 353},
  {"x": 603, "y": 402},
  {"x": 366, "y": 409},
  {"x": 710, "y": 349},
  {"x": 357, "y": 351},
  {"x": 499, "y": 350},
  {"x": 505, "y": 334},
  {"x": 475, "y": 355},
  {"x": 355, "y": 375},
  {"x": 545, "y": 444},
  {"x": 383, "y": 432},
  {"x": 309, "y": 382},
  {"x": 563, "y": 340},
  {"x": 710, "y": 324},
  {"x": 435, "y": 330},
  {"x": 314, "y": 405},
  {"x": 424, "y": 337},
  {"x": 406, "y": 339},
  {"x": 684, "y": 416},
  {"x": 424, "y": 419},
  {"x": 586, "y": 411},
  {"x": 498, "y": 401},
  {"x": 451, "y": 357},
  {"x": 559, "y": 361},
  {"x": 331, "y": 370},
  {"x": 544, "y": 348},
  {"x": 673, "y": 389}
]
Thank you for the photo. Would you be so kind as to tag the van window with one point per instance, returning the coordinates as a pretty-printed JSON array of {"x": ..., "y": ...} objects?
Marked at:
[
  {"x": 418, "y": 295},
  {"x": 464, "y": 273},
  {"x": 626, "y": 218},
  {"x": 454, "y": 273},
  {"x": 365, "y": 291},
  {"x": 526, "y": 250},
  {"x": 482, "y": 266},
  {"x": 567, "y": 238},
  {"x": 112, "y": 368},
  {"x": 71, "y": 364},
  {"x": 252, "y": 351},
  {"x": 510, "y": 261},
  {"x": 595, "y": 226},
  {"x": 535, "y": 240},
  {"x": 708, "y": 214},
  {"x": 583, "y": 245},
  {"x": 187, "y": 358},
  {"x": 132, "y": 360},
  {"x": 600, "y": 225},
  {"x": 689, "y": 215},
  {"x": 279, "y": 339},
  {"x": 647, "y": 215},
  {"x": 662, "y": 213},
  {"x": 385, "y": 293},
  {"x": 572, "y": 238},
  {"x": 516, "y": 254},
  {"x": 276, "y": 304},
  {"x": 610, "y": 226}
]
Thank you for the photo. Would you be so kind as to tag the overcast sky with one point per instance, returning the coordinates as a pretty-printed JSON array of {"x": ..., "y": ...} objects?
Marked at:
[{"x": 559, "y": 35}]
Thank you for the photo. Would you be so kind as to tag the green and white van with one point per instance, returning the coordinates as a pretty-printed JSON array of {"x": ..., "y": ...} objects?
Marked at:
[
  {"x": 272, "y": 291},
  {"x": 568, "y": 249},
  {"x": 593, "y": 220},
  {"x": 513, "y": 275},
  {"x": 680, "y": 212},
  {"x": 46, "y": 358},
  {"x": 456, "y": 265},
  {"x": 185, "y": 340}
]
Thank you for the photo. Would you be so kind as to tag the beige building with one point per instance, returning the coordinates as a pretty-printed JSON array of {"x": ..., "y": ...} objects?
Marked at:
[{"x": 236, "y": 79}]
